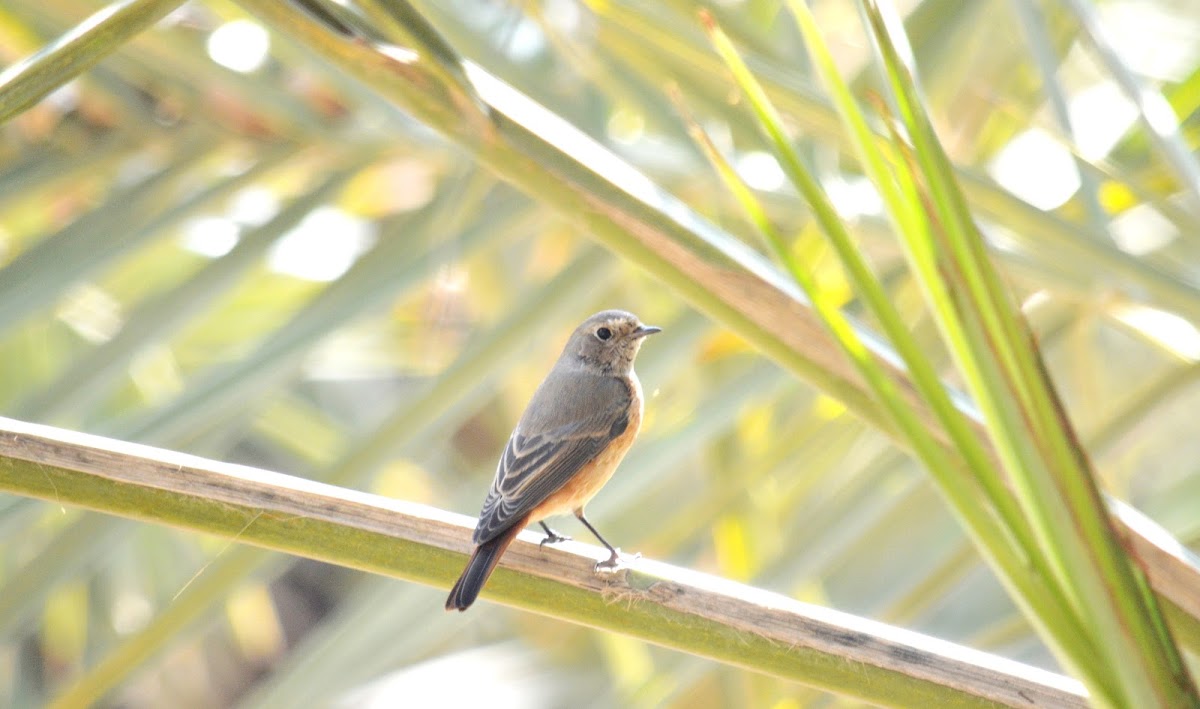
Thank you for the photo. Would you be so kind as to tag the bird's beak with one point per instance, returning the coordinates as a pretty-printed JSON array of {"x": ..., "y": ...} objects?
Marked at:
[{"x": 644, "y": 330}]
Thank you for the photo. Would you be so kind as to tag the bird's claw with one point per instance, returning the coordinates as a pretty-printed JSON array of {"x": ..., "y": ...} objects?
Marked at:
[
  {"x": 553, "y": 538},
  {"x": 614, "y": 562}
]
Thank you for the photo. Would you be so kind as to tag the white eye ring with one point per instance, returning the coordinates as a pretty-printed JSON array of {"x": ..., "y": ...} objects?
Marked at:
[{"x": 603, "y": 333}]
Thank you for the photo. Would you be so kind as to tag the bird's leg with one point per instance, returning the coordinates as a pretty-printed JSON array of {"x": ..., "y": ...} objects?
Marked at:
[
  {"x": 552, "y": 537},
  {"x": 615, "y": 554}
]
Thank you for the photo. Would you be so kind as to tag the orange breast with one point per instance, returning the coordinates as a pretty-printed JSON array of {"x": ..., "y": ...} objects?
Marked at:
[{"x": 592, "y": 476}]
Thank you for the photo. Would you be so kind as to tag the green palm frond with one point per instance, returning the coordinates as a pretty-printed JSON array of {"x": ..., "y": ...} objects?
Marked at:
[{"x": 344, "y": 241}]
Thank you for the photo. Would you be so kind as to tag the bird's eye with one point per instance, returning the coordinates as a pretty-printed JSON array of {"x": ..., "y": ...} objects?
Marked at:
[{"x": 604, "y": 333}]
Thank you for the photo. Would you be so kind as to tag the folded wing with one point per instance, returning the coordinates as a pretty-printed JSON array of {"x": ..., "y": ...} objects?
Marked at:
[{"x": 536, "y": 464}]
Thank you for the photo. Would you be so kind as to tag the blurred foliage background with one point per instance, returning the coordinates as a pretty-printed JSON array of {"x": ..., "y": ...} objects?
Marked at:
[{"x": 216, "y": 242}]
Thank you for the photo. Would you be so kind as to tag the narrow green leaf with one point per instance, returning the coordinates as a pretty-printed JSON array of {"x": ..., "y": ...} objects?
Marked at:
[
  {"x": 26, "y": 82},
  {"x": 999, "y": 535},
  {"x": 1048, "y": 469}
]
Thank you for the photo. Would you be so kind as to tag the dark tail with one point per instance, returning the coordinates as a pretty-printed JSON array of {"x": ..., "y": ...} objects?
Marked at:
[{"x": 479, "y": 568}]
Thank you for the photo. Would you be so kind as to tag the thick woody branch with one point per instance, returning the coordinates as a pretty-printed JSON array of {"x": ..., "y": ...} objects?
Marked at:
[{"x": 667, "y": 605}]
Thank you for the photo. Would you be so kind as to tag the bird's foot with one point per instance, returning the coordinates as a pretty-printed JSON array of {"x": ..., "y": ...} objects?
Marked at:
[
  {"x": 553, "y": 537},
  {"x": 614, "y": 562}
]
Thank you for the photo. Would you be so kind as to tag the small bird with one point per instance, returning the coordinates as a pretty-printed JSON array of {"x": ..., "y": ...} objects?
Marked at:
[{"x": 573, "y": 434}]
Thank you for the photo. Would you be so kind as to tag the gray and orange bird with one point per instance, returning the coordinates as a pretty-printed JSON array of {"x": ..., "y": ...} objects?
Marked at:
[{"x": 571, "y": 438}]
